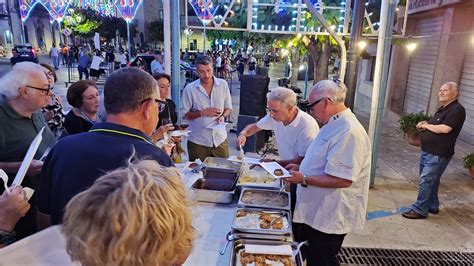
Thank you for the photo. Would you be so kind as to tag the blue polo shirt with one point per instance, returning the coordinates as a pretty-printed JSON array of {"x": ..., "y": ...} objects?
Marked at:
[{"x": 77, "y": 161}]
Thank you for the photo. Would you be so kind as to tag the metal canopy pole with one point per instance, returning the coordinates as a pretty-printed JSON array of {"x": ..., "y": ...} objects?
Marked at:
[
  {"x": 175, "y": 54},
  {"x": 387, "y": 16},
  {"x": 167, "y": 33},
  {"x": 339, "y": 41}
]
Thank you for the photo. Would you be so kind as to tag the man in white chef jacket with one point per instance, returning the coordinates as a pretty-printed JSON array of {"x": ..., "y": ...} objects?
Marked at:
[{"x": 333, "y": 178}]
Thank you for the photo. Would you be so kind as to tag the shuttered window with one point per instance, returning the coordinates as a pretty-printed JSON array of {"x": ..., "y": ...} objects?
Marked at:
[{"x": 466, "y": 96}]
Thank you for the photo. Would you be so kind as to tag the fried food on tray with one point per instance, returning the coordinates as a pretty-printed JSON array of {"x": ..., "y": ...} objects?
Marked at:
[
  {"x": 277, "y": 224},
  {"x": 241, "y": 213},
  {"x": 264, "y": 225},
  {"x": 267, "y": 217},
  {"x": 263, "y": 259},
  {"x": 278, "y": 172}
]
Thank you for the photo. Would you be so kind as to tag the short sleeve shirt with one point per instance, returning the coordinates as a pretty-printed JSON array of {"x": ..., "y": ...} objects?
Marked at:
[
  {"x": 17, "y": 132},
  {"x": 452, "y": 115},
  {"x": 293, "y": 139},
  {"x": 77, "y": 161},
  {"x": 195, "y": 98},
  {"x": 341, "y": 149}
]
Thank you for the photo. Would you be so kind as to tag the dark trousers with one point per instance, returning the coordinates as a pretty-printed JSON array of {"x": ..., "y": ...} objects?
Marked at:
[
  {"x": 323, "y": 248},
  {"x": 83, "y": 70}
]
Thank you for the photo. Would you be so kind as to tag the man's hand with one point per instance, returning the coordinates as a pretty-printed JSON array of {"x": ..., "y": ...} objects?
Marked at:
[
  {"x": 221, "y": 119},
  {"x": 13, "y": 206},
  {"x": 297, "y": 177},
  {"x": 241, "y": 139},
  {"x": 211, "y": 112},
  {"x": 292, "y": 167},
  {"x": 420, "y": 124},
  {"x": 35, "y": 168}
]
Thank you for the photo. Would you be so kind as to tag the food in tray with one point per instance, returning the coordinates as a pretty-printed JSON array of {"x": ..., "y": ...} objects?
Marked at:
[
  {"x": 264, "y": 259},
  {"x": 256, "y": 219},
  {"x": 268, "y": 198},
  {"x": 240, "y": 157},
  {"x": 256, "y": 175},
  {"x": 278, "y": 172}
]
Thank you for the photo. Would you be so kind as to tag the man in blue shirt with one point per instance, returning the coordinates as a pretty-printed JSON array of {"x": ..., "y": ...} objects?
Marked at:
[
  {"x": 83, "y": 64},
  {"x": 132, "y": 102}
]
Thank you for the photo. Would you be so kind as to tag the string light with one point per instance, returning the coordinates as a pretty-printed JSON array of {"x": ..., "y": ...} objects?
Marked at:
[
  {"x": 411, "y": 46},
  {"x": 362, "y": 44}
]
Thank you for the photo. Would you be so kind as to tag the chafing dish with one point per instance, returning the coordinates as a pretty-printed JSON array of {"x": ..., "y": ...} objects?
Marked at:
[
  {"x": 220, "y": 165},
  {"x": 265, "y": 198},
  {"x": 253, "y": 220},
  {"x": 239, "y": 245},
  {"x": 213, "y": 190}
]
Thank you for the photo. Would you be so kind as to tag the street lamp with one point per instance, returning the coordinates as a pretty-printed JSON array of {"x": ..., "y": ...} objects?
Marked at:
[
  {"x": 187, "y": 32},
  {"x": 411, "y": 46}
]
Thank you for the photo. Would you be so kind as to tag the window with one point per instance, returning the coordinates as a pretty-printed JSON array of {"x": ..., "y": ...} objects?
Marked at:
[{"x": 193, "y": 45}]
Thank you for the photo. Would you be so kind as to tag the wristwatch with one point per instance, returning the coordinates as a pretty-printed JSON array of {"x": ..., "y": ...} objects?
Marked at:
[
  {"x": 6, "y": 238},
  {"x": 304, "y": 183}
]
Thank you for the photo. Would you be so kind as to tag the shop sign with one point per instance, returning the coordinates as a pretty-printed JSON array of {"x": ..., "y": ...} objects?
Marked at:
[{"x": 417, "y": 6}]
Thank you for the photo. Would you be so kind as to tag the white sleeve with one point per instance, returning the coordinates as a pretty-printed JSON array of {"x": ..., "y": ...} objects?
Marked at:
[
  {"x": 266, "y": 123},
  {"x": 186, "y": 101},
  {"x": 228, "y": 98},
  {"x": 306, "y": 137}
]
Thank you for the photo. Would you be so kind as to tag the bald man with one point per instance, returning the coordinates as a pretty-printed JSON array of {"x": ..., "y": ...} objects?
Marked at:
[{"x": 438, "y": 138}]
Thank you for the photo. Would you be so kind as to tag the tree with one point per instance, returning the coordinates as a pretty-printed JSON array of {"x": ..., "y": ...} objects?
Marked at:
[{"x": 155, "y": 31}]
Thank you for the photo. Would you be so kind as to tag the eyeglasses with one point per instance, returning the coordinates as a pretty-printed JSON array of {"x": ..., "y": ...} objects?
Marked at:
[
  {"x": 47, "y": 91},
  {"x": 162, "y": 104},
  {"x": 316, "y": 102}
]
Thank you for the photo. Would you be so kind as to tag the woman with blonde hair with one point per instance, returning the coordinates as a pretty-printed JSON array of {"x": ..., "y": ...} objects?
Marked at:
[{"x": 138, "y": 215}]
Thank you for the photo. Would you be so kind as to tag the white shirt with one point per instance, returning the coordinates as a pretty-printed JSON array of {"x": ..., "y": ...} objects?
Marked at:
[
  {"x": 195, "y": 98},
  {"x": 157, "y": 67},
  {"x": 54, "y": 51},
  {"x": 123, "y": 59},
  {"x": 218, "y": 61},
  {"x": 96, "y": 60},
  {"x": 341, "y": 149},
  {"x": 293, "y": 139}
]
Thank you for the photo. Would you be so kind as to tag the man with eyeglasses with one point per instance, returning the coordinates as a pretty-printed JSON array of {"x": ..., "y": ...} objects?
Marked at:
[
  {"x": 23, "y": 92},
  {"x": 294, "y": 129},
  {"x": 132, "y": 101},
  {"x": 333, "y": 178},
  {"x": 206, "y": 102}
]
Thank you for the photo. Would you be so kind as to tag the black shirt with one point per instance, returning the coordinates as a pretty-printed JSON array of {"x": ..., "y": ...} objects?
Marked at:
[
  {"x": 75, "y": 124},
  {"x": 77, "y": 161},
  {"x": 452, "y": 115}
]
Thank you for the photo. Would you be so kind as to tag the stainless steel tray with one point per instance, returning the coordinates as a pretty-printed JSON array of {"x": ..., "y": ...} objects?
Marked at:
[
  {"x": 285, "y": 238},
  {"x": 238, "y": 245},
  {"x": 266, "y": 205},
  {"x": 284, "y": 231},
  {"x": 215, "y": 196},
  {"x": 257, "y": 174},
  {"x": 220, "y": 165}
]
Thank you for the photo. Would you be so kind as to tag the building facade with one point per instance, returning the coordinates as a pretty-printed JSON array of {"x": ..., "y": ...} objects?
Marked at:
[{"x": 444, "y": 33}]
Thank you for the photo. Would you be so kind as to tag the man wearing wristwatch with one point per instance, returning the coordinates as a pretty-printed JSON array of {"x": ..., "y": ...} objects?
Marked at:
[
  {"x": 333, "y": 178},
  {"x": 294, "y": 129}
]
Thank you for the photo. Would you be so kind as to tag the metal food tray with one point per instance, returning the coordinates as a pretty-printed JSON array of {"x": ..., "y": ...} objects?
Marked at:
[
  {"x": 276, "y": 184},
  {"x": 238, "y": 245},
  {"x": 285, "y": 238},
  {"x": 283, "y": 231},
  {"x": 215, "y": 196},
  {"x": 220, "y": 165},
  {"x": 264, "y": 206}
]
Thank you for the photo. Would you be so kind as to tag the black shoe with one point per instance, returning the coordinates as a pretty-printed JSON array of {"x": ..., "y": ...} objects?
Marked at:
[
  {"x": 413, "y": 215},
  {"x": 434, "y": 211}
]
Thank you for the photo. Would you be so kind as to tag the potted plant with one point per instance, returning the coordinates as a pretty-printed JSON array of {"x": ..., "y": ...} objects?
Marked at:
[
  {"x": 469, "y": 163},
  {"x": 408, "y": 126}
]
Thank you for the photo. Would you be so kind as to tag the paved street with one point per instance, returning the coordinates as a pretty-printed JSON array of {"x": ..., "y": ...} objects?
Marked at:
[{"x": 395, "y": 187}]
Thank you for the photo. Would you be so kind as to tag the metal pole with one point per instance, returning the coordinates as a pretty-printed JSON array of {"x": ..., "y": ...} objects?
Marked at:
[
  {"x": 129, "y": 39},
  {"x": 60, "y": 32},
  {"x": 167, "y": 34},
  {"x": 175, "y": 64},
  {"x": 306, "y": 77},
  {"x": 405, "y": 18},
  {"x": 353, "y": 55},
  {"x": 339, "y": 41},
  {"x": 204, "y": 39},
  {"x": 387, "y": 15},
  {"x": 23, "y": 33}
]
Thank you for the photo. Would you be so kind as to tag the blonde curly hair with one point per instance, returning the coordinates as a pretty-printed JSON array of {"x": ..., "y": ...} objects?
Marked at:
[{"x": 138, "y": 215}]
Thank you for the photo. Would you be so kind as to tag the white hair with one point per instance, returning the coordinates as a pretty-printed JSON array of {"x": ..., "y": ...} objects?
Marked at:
[
  {"x": 17, "y": 77},
  {"x": 335, "y": 90},
  {"x": 283, "y": 95}
]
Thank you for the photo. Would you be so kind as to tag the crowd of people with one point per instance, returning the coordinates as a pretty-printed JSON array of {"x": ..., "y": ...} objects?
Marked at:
[{"x": 121, "y": 201}]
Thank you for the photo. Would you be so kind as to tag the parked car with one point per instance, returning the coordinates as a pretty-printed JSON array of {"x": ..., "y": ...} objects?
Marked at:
[
  {"x": 26, "y": 52},
  {"x": 144, "y": 61}
]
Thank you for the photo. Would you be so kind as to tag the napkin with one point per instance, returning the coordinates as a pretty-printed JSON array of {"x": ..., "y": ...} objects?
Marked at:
[{"x": 270, "y": 250}]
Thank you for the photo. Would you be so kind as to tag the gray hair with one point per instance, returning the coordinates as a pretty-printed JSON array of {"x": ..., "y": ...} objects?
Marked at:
[
  {"x": 19, "y": 76},
  {"x": 126, "y": 89},
  {"x": 283, "y": 95},
  {"x": 452, "y": 85},
  {"x": 335, "y": 90},
  {"x": 203, "y": 60}
]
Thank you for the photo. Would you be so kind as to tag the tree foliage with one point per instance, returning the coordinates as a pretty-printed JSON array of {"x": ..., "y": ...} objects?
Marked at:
[{"x": 155, "y": 31}]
